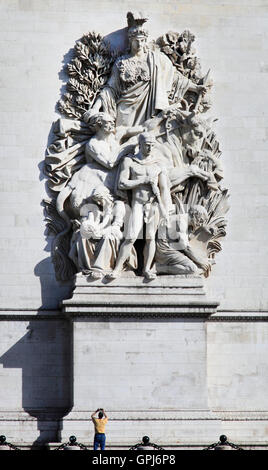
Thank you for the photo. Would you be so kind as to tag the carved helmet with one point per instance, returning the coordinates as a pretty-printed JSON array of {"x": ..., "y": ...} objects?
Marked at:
[{"x": 135, "y": 22}]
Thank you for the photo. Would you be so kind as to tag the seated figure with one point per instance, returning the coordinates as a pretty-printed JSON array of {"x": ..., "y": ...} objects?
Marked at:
[
  {"x": 95, "y": 243},
  {"x": 174, "y": 255}
]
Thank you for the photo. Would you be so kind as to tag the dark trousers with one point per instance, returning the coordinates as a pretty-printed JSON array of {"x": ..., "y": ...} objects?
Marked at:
[{"x": 99, "y": 440}]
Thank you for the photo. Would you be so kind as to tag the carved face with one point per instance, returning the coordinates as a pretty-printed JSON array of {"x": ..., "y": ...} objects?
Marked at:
[
  {"x": 137, "y": 44},
  {"x": 198, "y": 217},
  {"x": 183, "y": 45},
  {"x": 194, "y": 139},
  {"x": 107, "y": 125},
  {"x": 197, "y": 132},
  {"x": 146, "y": 146},
  {"x": 102, "y": 196}
]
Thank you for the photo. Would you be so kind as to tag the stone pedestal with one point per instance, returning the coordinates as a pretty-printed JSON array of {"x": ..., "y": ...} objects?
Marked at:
[
  {"x": 139, "y": 352},
  {"x": 133, "y": 296}
]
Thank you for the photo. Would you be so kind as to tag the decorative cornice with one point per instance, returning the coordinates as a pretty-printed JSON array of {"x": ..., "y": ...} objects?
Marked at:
[
  {"x": 138, "y": 312},
  {"x": 11, "y": 316},
  {"x": 240, "y": 318},
  {"x": 58, "y": 315}
]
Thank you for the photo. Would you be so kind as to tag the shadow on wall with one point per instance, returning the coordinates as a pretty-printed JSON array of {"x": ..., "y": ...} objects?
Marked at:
[
  {"x": 44, "y": 356},
  {"x": 118, "y": 41},
  {"x": 52, "y": 292},
  {"x": 43, "y": 352}
]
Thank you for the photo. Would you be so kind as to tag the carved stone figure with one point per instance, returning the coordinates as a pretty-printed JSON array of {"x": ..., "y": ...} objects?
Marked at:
[
  {"x": 174, "y": 254},
  {"x": 96, "y": 240},
  {"x": 132, "y": 156},
  {"x": 151, "y": 202},
  {"x": 141, "y": 82},
  {"x": 102, "y": 152}
]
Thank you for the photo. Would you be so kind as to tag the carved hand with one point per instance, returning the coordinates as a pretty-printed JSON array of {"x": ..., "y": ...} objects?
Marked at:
[
  {"x": 204, "y": 264},
  {"x": 149, "y": 125},
  {"x": 211, "y": 230},
  {"x": 202, "y": 89},
  {"x": 75, "y": 224},
  {"x": 88, "y": 114},
  {"x": 144, "y": 179},
  {"x": 196, "y": 171}
]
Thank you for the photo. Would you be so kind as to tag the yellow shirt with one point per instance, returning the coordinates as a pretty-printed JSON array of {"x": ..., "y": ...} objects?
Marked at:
[{"x": 100, "y": 424}]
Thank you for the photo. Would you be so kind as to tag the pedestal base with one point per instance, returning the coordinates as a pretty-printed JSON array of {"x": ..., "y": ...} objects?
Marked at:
[
  {"x": 135, "y": 297},
  {"x": 139, "y": 348}
]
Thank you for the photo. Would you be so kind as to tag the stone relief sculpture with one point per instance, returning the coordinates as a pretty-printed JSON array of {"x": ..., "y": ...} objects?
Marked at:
[{"x": 134, "y": 165}]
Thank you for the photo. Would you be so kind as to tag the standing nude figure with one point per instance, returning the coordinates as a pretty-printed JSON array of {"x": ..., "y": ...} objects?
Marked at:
[{"x": 151, "y": 202}]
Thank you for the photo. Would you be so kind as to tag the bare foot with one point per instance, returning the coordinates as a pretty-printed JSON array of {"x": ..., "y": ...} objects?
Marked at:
[
  {"x": 113, "y": 275},
  {"x": 149, "y": 275},
  {"x": 95, "y": 275}
]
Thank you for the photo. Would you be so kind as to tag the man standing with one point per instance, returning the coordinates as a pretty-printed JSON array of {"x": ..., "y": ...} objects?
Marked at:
[{"x": 99, "y": 424}]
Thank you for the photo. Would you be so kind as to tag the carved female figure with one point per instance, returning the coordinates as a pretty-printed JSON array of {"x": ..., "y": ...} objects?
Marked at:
[
  {"x": 140, "y": 83},
  {"x": 95, "y": 244}
]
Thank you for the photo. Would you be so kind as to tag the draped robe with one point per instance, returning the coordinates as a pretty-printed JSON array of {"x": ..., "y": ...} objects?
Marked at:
[{"x": 134, "y": 103}]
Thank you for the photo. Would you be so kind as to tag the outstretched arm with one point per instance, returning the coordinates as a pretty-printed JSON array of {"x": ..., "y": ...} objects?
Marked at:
[
  {"x": 93, "y": 414},
  {"x": 178, "y": 175},
  {"x": 123, "y": 132}
]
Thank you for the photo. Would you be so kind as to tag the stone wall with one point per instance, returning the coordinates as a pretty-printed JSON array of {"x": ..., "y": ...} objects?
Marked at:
[
  {"x": 36, "y": 37},
  {"x": 231, "y": 40}
]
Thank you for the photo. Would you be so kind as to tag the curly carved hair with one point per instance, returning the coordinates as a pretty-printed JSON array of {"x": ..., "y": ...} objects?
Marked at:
[
  {"x": 198, "y": 214},
  {"x": 96, "y": 121}
]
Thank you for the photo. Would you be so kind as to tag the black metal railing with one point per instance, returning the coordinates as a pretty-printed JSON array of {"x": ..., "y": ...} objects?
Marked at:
[
  {"x": 145, "y": 444},
  {"x": 4, "y": 443},
  {"x": 72, "y": 443},
  {"x": 223, "y": 444}
]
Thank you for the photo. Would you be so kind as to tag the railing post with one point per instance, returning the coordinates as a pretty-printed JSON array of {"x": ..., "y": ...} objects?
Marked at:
[
  {"x": 223, "y": 444},
  {"x": 4, "y": 445},
  {"x": 72, "y": 444},
  {"x": 145, "y": 445}
]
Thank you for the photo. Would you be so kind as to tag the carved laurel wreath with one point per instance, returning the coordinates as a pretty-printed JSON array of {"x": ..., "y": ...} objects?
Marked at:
[{"x": 88, "y": 70}]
